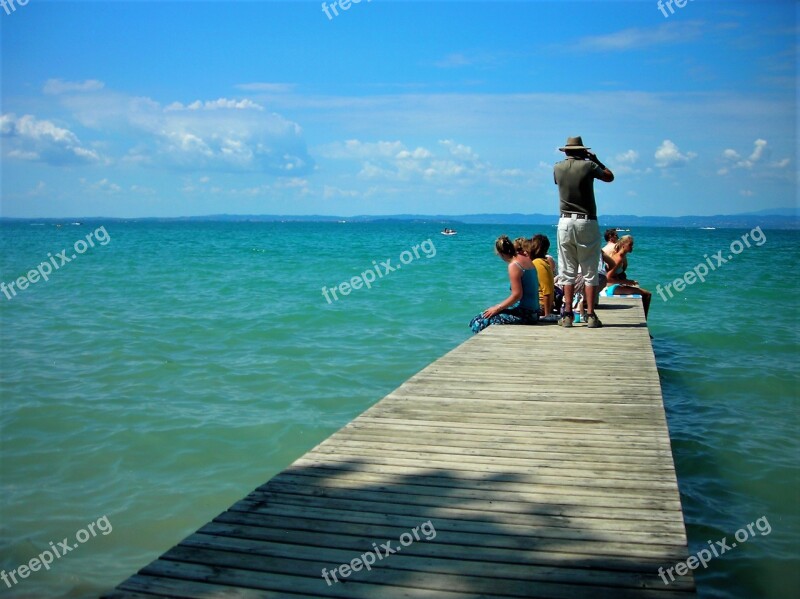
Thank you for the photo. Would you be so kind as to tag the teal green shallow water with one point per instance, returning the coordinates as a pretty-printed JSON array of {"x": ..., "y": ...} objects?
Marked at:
[{"x": 161, "y": 377}]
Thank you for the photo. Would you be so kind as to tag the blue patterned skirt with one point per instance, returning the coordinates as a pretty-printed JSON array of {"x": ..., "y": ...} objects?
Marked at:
[{"x": 513, "y": 315}]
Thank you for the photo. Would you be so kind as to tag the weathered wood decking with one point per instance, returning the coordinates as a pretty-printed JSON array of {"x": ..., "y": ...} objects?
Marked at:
[{"x": 540, "y": 456}]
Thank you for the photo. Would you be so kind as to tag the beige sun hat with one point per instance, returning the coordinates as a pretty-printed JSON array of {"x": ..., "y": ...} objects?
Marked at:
[{"x": 574, "y": 143}]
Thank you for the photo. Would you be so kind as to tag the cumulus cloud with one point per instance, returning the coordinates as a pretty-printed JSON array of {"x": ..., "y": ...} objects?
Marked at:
[
  {"x": 759, "y": 146},
  {"x": 355, "y": 149},
  {"x": 392, "y": 160},
  {"x": 220, "y": 134},
  {"x": 270, "y": 144},
  {"x": 759, "y": 157},
  {"x": 216, "y": 105},
  {"x": 628, "y": 157},
  {"x": 668, "y": 155},
  {"x": 29, "y": 138},
  {"x": 460, "y": 151},
  {"x": 447, "y": 163},
  {"x": 417, "y": 154},
  {"x": 625, "y": 163}
]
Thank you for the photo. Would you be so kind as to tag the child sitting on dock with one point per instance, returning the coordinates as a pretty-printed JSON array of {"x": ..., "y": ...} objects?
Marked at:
[
  {"x": 522, "y": 305},
  {"x": 539, "y": 245},
  {"x": 618, "y": 281}
]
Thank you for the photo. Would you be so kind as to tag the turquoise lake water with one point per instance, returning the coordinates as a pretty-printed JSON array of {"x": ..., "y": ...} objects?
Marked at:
[{"x": 160, "y": 377}]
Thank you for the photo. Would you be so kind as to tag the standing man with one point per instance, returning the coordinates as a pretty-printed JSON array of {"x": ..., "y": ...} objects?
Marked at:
[{"x": 578, "y": 232}]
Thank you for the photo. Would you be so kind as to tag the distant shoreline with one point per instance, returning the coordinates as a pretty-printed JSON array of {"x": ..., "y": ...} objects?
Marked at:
[{"x": 782, "y": 220}]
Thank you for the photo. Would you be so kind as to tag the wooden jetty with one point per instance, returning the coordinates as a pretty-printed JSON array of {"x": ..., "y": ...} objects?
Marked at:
[{"x": 527, "y": 462}]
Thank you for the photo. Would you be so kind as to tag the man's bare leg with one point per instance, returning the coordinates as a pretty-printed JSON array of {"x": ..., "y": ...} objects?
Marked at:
[
  {"x": 568, "y": 289},
  {"x": 589, "y": 298}
]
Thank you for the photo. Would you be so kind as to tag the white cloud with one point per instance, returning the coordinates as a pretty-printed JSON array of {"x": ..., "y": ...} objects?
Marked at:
[
  {"x": 758, "y": 152},
  {"x": 292, "y": 183},
  {"x": 731, "y": 154},
  {"x": 449, "y": 163},
  {"x": 757, "y": 158},
  {"x": 417, "y": 154},
  {"x": 59, "y": 86},
  {"x": 668, "y": 155},
  {"x": 623, "y": 164},
  {"x": 355, "y": 149},
  {"x": 459, "y": 150},
  {"x": 29, "y": 138},
  {"x": 628, "y": 157},
  {"x": 636, "y": 37},
  {"x": 23, "y": 155},
  {"x": 222, "y": 135},
  {"x": 221, "y": 103}
]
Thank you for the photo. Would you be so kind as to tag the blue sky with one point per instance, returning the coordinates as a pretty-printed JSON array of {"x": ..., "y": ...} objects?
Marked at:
[{"x": 131, "y": 109}]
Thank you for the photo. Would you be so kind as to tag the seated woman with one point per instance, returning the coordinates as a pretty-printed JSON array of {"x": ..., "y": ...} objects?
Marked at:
[
  {"x": 618, "y": 283},
  {"x": 539, "y": 244},
  {"x": 522, "y": 306},
  {"x": 522, "y": 246}
]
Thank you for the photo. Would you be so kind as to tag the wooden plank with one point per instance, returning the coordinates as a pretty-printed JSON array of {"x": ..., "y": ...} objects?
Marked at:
[
  {"x": 276, "y": 523},
  {"x": 489, "y": 465},
  {"x": 310, "y": 560},
  {"x": 520, "y": 493},
  {"x": 537, "y": 482},
  {"x": 467, "y": 448}
]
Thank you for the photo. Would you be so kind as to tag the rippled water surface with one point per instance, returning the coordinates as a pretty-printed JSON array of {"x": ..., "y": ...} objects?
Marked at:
[{"x": 160, "y": 377}]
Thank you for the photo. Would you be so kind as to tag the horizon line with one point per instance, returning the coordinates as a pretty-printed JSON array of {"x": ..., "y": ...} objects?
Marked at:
[{"x": 776, "y": 212}]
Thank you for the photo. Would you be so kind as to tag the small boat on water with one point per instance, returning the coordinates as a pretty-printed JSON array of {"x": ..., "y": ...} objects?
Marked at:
[
  {"x": 446, "y": 231},
  {"x": 708, "y": 228}
]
